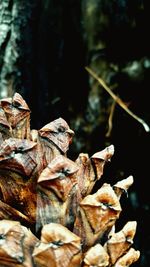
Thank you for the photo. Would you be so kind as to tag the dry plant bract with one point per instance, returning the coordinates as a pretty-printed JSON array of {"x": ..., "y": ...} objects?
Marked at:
[{"x": 49, "y": 214}]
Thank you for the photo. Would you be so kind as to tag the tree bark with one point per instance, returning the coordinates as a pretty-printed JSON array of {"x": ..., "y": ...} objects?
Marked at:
[{"x": 17, "y": 47}]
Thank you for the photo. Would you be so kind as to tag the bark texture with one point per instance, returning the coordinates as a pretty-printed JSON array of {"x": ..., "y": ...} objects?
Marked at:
[{"x": 17, "y": 47}]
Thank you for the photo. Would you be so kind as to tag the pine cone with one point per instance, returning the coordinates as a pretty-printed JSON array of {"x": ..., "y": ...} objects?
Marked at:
[{"x": 49, "y": 214}]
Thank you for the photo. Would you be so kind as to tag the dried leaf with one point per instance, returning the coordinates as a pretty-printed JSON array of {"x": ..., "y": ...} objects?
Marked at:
[
  {"x": 15, "y": 155},
  {"x": 43, "y": 254},
  {"x": 98, "y": 212},
  {"x": 58, "y": 243},
  {"x": 85, "y": 175},
  {"x": 11, "y": 237},
  {"x": 7, "y": 212},
  {"x": 19, "y": 102},
  {"x": 16, "y": 244},
  {"x": 46, "y": 151},
  {"x": 59, "y": 176},
  {"x": 18, "y": 115},
  {"x": 105, "y": 154},
  {"x": 47, "y": 192},
  {"x": 129, "y": 258},
  {"x": 96, "y": 256},
  {"x": 55, "y": 192},
  {"x": 34, "y": 135},
  {"x": 28, "y": 245},
  {"x": 18, "y": 194},
  {"x": 120, "y": 242},
  {"x": 5, "y": 128},
  {"x": 123, "y": 186},
  {"x": 103, "y": 202},
  {"x": 91, "y": 169},
  {"x": 59, "y": 133},
  {"x": 16, "y": 184}
]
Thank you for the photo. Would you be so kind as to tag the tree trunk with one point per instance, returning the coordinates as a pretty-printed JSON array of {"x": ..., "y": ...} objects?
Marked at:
[{"x": 17, "y": 47}]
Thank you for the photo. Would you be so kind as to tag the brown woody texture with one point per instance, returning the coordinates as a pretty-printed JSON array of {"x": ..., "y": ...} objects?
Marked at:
[{"x": 49, "y": 214}]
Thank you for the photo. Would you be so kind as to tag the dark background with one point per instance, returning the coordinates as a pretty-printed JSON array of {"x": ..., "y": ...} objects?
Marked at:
[{"x": 44, "y": 49}]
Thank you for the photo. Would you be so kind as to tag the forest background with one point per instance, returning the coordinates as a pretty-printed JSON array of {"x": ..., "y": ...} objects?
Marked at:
[{"x": 45, "y": 47}]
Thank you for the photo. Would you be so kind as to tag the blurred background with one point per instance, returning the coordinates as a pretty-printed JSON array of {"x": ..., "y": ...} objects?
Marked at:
[{"x": 44, "y": 49}]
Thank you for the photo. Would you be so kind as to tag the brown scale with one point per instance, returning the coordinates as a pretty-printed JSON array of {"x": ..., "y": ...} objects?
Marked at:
[{"x": 49, "y": 215}]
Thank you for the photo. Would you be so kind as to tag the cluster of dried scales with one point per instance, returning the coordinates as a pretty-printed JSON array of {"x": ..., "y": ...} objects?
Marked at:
[{"x": 49, "y": 216}]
